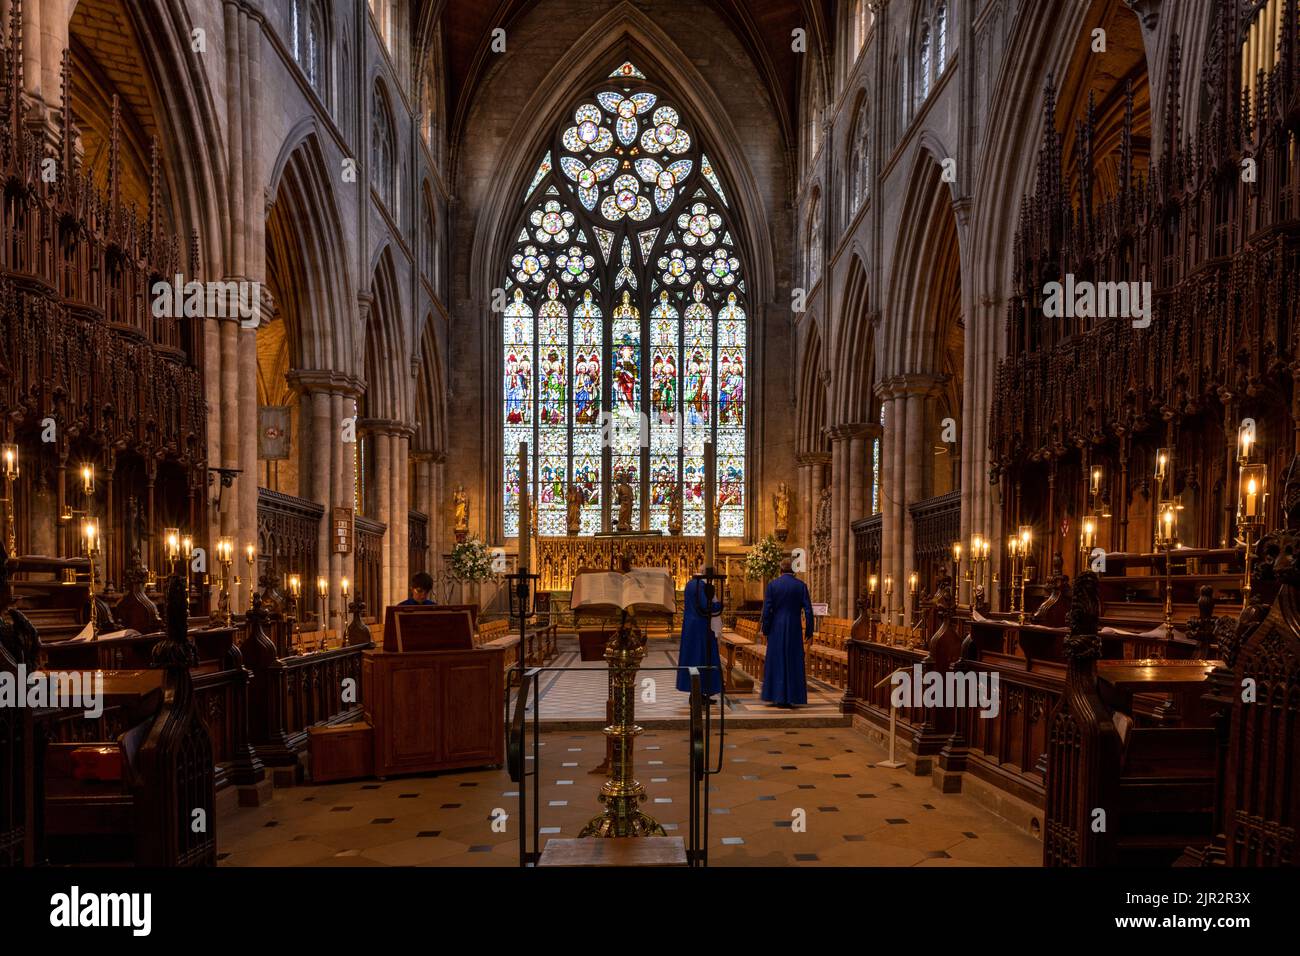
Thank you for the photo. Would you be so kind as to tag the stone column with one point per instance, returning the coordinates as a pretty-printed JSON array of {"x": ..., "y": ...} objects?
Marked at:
[
  {"x": 889, "y": 442},
  {"x": 859, "y": 507},
  {"x": 839, "y": 510},
  {"x": 801, "y": 532},
  {"x": 818, "y": 464},
  {"x": 402, "y": 511},
  {"x": 384, "y": 502},
  {"x": 916, "y": 391}
]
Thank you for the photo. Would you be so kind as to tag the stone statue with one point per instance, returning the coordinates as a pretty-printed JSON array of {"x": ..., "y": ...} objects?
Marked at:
[
  {"x": 624, "y": 505},
  {"x": 675, "y": 511},
  {"x": 576, "y": 499},
  {"x": 460, "y": 502},
  {"x": 781, "y": 506}
]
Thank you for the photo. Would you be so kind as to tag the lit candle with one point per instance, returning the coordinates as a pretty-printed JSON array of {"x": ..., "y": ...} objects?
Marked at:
[
  {"x": 912, "y": 580},
  {"x": 88, "y": 479},
  {"x": 10, "y": 455},
  {"x": 984, "y": 549},
  {"x": 173, "y": 538},
  {"x": 343, "y": 587},
  {"x": 1089, "y": 533},
  {"x": 90, "y": 531},
  {"x": 1012, "y": 542},
  {"x": 225, "y": 550},
  {"x": 1247, "y": 439},
  {"x": 956, "y": 552},
  {"x": 1162, "y": 463},
  {"x": 1252, "y": 491},
  {"x": 322, "y": 586},
  {"x": 295, "y": 585},
  {"x": 187, "y": 545},
  {"x": 1096, "y": 480},
  {"x": 889, "y": 584}
]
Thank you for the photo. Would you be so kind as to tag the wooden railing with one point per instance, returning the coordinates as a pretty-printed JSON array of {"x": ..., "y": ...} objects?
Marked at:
[{"x": 296, "y": 693}]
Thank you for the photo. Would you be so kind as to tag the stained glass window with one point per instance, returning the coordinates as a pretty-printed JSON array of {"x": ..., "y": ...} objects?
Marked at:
[{"x": 625, "y": 322}]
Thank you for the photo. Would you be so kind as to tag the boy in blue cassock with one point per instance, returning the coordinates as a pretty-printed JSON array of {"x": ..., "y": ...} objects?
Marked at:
[
  {"x": 786, "y": 599},
  {"x": 699, "y": 646}
]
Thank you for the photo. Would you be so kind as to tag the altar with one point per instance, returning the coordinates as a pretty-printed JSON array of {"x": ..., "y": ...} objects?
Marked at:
[{"x": 560, "y": 558}]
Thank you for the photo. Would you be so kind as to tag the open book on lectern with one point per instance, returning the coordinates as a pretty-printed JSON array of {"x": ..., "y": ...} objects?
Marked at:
[{"x": 641, "y": 589}]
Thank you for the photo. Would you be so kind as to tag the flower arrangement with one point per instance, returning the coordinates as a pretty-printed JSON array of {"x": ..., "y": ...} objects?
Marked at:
[
  {"x": 471, "y": 561},
  {"x": 763, "y": 562}
]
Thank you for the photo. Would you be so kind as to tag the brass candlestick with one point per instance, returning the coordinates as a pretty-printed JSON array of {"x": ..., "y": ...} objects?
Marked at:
[
  {"x": 9, "y": 464},
  {"x": 622, "y": 794},
  {"x": 1252, "y": 495},
  {"x": 295, "y": 592},
  {"x": 1165, "y": 536},
  {"x": 90, "y": 532},
  {"x": 225, "y": 558}
]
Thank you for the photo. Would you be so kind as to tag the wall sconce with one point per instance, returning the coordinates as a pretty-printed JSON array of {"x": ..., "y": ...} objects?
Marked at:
[{"x": 172, "y": 539}]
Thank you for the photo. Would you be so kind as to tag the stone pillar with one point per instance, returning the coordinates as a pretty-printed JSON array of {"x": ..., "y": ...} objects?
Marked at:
[
  {"x": 890, "y": 445},
  {"x": 384, "y": 506},
  {"x": 859, "y": 506},
  {"x": 402, "y": 512},
  {"x": 915, "y": 392},
  {"x": 818, "y": 463},
  {"x": 801, "y": 532},
  {"x": 839, "y": 523}
]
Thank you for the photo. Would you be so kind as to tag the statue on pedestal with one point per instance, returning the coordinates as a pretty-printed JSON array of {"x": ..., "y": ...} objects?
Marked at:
[
  {"x": 675, "y": 511},
  {"x": 624, "y": 505},
  {"x": 781, "y": 506},
  {"x": 460, "y": 501},
  {"x": 575, "y": 500}
]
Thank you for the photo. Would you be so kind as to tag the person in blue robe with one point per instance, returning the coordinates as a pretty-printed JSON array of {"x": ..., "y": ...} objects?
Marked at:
[
  {"x": 784, "y": 683},
  {"x": 699, "y": 647}
]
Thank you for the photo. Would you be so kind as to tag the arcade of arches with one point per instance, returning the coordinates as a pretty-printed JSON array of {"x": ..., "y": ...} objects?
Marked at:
[{"x": 982, "y": 312}]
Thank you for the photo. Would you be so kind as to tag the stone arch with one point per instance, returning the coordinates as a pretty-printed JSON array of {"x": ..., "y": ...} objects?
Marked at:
[
  {"x": 855, "y": 370},
  {"x": 624, "y": 33},
  {"x": 187, "y": 122},
  {"x": 306, "y": 264},
  {"x": 929, "y": 237},
  {"x": 812, "y": 420},
  {"x": 386, "y": 394}
]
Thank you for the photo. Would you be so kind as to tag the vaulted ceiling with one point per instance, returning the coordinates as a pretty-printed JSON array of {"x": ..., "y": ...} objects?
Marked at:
[{"x": 762, "y": 26}]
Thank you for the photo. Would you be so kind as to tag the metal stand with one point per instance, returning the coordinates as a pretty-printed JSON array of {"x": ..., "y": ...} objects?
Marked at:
[{"x": 622, "y": 794}]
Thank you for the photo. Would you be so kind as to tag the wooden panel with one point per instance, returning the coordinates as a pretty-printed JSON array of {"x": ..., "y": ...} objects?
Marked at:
[
  {"x": 470, "y": 729},
  {"x": 436, "y": 710}
]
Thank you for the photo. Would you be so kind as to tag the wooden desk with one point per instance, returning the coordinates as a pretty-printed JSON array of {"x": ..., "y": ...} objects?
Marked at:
[{"x": 435, "y": 710}]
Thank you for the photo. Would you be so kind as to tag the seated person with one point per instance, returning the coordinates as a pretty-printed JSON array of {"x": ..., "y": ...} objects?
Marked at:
[{"x": 421, "y": 585}]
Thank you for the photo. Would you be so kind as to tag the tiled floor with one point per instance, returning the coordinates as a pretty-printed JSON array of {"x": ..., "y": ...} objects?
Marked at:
[
  {"x": 577, "y": 700},
  {"x": 804, "y": 796}
]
